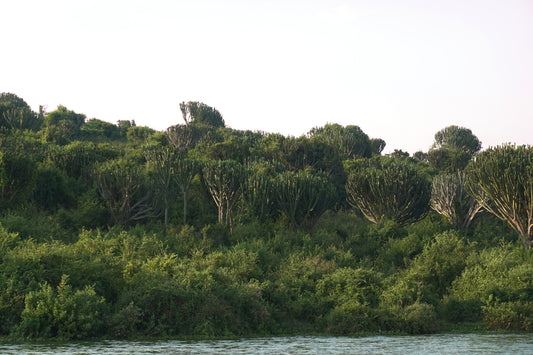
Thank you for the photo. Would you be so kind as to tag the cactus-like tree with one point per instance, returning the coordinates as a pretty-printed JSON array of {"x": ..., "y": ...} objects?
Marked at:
[
  {"x": 501, "y": 180},
  {"x": 388, "y": 188},
  {"x": 224, "y": 180},
  {"x": 450, "y": 198},
  {"x": 304, "y": 196}
]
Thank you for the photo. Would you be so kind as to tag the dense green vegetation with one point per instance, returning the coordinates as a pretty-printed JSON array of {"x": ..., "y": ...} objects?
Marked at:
[{"x": 122, "y": 231}]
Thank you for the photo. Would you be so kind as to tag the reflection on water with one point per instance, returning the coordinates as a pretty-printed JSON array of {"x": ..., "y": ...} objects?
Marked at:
[{"x": 423, "y": 344}]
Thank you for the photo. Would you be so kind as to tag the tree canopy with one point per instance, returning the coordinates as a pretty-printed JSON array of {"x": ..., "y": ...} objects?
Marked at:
[
  {"x": 453, "y": 148},
  {"x": 123, "y": 232},
  {"x": 388, "y": 188},
  {"x": 195, "y": 112},
  {"x": 501, "y": 180}
]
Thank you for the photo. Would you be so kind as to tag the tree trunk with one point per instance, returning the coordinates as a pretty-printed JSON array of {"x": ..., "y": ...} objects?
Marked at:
[{"x": 185, "y": 193}]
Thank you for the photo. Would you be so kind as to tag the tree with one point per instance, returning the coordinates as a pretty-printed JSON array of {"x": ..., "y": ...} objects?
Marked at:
[
  {"x": 161, "y": 164},
  {"x": 124, "y": 126},
  {"x": 304, "y": 196},
  {"x": 420, "y": 155},
  {"x": 124, "y": 190},
  {"x": 224, "y": 179},
  {"x": 52, "y": 188},
  {"x": 453, "y": 148},
  {"x": 78, "y": 158},
  {"x": 501, "y": 180},
  {"x": 377, "y": 145},
  {"x": 350, "y": 142},
  {"x": 95, "y": 129},
  {"x": 195, "y": 112},
  {"x": 184, "y": 172},
  {"x": 182, "y": 137},
  {"x": 258, "y": 194},
  {"x": 388, "y": 188},
  {"x": 15, "y": 113},
  {"x": 139, "y": 134},
  {"x": 308, "y": 153},
  {"x": 449, "y": 198},
  {"x": 17, "y": 173},
  {"x": 63, "y": 125},
  {"x": 398, "y": 154},
  {"x": 458, "y": 138}
]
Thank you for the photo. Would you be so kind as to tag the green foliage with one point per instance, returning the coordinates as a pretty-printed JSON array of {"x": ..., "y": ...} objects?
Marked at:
[
  {"x": 419, "y": 318},
  {"x": 499, "y": 283},
  {"x": 353, "y": 294},
  {"x": 65, "y": 313},
  {"x": 430, "y": 274},
  {"x": 288, "y": 258},
  {"x": 199, "y": 113},
  {"x": 309, "y": 153},
  {"x": 459, "y": 138},
  {"x": 62, "y": 125},
  {"x": 161, "y": 165},
  {"x": 15, "y": 113},
  {"x": 138, "y": 134},
  {"x": 501, "y": 180},
  {"x": 448, "y": 160},
  {"x": 454, "y": 147},
  {"x": 450, "y": 199},
  {"x": 95, "y": 130},
  {"x": 388, "y": 189},
  {"x": 184, "y": 171},
  {"x": 509, "y": 315},
  {"x": 52, "y": 188},
  {"x": 224, "y": 180},
  {"x": 78, "y": 159},
  {"x": 258, "y": 197},
  {"x": 349, "y": 142},
  {"x": 503, "y": 274},
  {"x": 377, "y": 145},
  {"x": 303, "y": 197},
  {"x": 17, "y": 173},
  {"x": 127, "y": 196}
]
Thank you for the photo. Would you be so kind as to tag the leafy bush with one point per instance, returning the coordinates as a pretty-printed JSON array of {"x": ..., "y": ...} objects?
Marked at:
[
  {"x": 420, "y": 318},
  {"x": 354, "y": 296},
  {"x": 509, "y": 315},
  {"x": 65, "y": 313},
  {"x": 498, "y": 282},
  {"x": 430, "y": 274},
  {"x": 456, "y": 311}
]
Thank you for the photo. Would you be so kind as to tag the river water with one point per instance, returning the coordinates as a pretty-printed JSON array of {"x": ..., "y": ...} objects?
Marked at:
[{"x": 423, "y": 344}]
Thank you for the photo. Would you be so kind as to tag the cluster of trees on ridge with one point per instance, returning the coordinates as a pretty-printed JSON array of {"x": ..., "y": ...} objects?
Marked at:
[{"x": 120, "y": 230}]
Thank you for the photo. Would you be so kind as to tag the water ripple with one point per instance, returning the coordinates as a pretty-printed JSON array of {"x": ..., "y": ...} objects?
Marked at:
[{"x": 424, "y": 344}]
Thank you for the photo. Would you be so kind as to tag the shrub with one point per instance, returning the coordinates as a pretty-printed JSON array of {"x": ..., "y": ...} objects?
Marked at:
[
  {"x": 501, "y": 279},
  {"x": 420, "y": 318},
  {"x": 430, "y": 274},
  {"x": 509, "y": 315},
  {"x": 454, "y": 310},
  {"x": 66, "y": 313},
  {"x": 350, "y": 318}
]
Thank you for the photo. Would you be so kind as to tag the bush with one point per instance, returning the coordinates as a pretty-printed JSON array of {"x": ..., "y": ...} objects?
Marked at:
[
  {"x": 509, "y": 315},
  {"x": 420, "y": 318},
  {"x": 456, "y": 311},
  {"x": 501, "y": 279},
  {"x": 502, "y": 274},
  {"x": 351, "y": 318},
  {"x": 66, "y": 313},
  {"x": 353, "y": 293},
  {"x": 430, "y": 274}
]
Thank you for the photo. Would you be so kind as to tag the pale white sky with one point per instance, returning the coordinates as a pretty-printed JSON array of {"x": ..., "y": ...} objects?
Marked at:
[{"x": 399, "y": 69}]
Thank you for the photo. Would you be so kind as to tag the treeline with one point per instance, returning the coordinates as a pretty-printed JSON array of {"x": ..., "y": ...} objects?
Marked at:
[{"x": 122, "y": 231}]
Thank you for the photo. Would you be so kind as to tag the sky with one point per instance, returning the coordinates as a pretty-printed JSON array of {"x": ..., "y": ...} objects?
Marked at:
[{"x": 401, "y": 70}]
